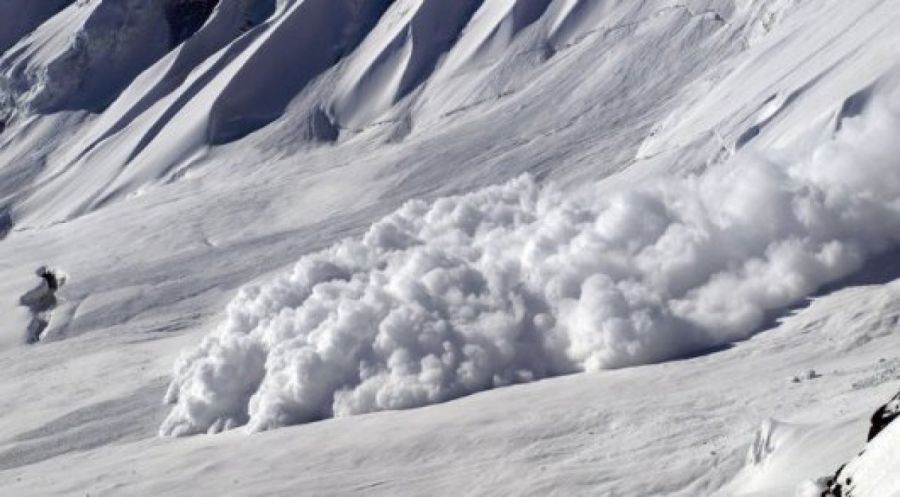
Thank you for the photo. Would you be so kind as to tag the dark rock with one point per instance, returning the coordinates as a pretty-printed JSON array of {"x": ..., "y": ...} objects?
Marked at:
[
  {"x": 840, "y": 485},
  {"x": 883, "y": 417}
]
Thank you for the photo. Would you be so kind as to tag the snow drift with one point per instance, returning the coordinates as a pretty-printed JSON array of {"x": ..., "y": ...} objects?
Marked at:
[{"x": 517, "y": 282}]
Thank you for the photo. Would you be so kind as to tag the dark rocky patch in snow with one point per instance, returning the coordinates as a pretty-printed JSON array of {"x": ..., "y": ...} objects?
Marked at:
[
  {"x": 884, "y": 416},
  {"x": 842, "y": 483}
]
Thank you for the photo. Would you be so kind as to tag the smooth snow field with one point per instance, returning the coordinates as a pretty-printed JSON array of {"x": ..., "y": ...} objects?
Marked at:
[{"x": 433, "y": 247}]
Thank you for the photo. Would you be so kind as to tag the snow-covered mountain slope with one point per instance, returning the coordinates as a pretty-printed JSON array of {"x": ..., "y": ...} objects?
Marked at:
[
  {"x": 162, "y": 155},
  {"x": 224, "y": 82}
]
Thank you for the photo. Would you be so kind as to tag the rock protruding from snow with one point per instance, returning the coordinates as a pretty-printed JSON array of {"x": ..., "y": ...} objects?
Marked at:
[
  {"x": 516, "y": 282},
  {"x": 884, "y": 416},
  {"x": 876, "y": 471}
]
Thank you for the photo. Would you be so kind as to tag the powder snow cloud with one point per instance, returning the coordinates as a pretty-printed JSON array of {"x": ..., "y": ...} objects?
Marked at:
[{"x": 518, "y": 282}]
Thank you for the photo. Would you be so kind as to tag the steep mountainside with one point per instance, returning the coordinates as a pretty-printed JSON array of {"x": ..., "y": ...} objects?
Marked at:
[{"x": 320, "y": 209}]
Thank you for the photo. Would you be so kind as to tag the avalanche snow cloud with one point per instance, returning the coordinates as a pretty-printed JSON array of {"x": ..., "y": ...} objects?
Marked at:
[{"x": 518, "y": 282}]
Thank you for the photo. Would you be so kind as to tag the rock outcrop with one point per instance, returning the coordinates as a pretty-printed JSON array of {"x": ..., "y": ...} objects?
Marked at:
[{"x": 874, "y": 472}]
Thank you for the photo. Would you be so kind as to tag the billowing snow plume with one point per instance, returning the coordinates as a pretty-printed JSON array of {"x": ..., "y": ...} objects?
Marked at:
[{"x": 517, "y": 282}]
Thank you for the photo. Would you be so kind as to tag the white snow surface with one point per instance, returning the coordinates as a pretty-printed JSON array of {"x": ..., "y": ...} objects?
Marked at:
[
  {"x": 480, "y": 194},
  {"x": 874, "y": 471}
]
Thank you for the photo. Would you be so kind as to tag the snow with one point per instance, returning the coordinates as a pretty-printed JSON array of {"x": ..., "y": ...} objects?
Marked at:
[
  {"x": 783, "y": 453},
  {"x": 55, "y": 67},
  {"x": 874, "y": 471},
  {"x": 164, "y": 178},
  {"x": 516, "y": 283},
  {"x": 694, "y": 419},
  {"x": 18, "y": 19}
]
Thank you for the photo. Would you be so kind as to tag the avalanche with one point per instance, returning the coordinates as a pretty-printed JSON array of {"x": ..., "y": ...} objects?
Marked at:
[
  {"x": 546, "y": 247},
  {"x": 517, "y": 282}
]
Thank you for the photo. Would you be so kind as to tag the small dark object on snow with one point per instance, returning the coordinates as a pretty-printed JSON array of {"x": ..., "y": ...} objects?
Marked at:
[
  {"x": 41, "y": 300},
  {"x": 50, "y": 277}
]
